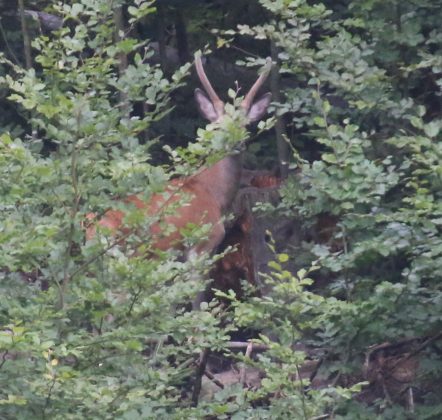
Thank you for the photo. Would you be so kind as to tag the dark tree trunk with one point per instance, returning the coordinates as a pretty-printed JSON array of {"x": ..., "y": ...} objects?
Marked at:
[
  {"x": 280, "y": 129},
  {"x": 26, "y": 38}
]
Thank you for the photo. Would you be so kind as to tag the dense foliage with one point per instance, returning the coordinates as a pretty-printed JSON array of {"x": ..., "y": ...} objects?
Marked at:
[{"x": 88, "y": 330}]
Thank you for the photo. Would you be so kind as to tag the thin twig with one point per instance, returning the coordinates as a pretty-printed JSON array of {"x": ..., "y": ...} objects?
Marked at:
[
  {"x": 302, "y": 393},
  {"x": 48, "y": 398},
  {"x": 8, "y": 47},
  {"x": 212, "y": 377},
  {"x": 4, "y": 358},
  {"x": 199, "y": 375},
  {"x": 242, "y": 372},
  {"x": 134, "y": 300},
  {"x": 411, "y": 408},
  {"x": 425, "y": 344},
  {"x": 245, "y": 344}
]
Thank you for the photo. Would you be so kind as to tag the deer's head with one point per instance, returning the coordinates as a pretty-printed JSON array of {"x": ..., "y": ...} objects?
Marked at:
[{"x": 213, "y": 108}]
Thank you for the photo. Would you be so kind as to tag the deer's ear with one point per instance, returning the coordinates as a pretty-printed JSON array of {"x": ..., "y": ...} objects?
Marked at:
[
  {"x": 205, "y": 106},
  {"x": 259, "y": 108}
]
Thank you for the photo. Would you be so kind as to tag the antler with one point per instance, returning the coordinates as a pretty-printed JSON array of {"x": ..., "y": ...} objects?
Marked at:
[
  {"x": 218, "y": 104},
  {"x": 247, "y": 101}
]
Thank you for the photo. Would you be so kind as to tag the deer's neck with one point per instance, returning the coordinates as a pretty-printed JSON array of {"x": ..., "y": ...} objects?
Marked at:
[{"x": 222, "y": 179}]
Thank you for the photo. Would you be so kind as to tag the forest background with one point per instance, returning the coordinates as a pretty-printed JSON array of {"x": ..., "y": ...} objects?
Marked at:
[{"x": 346, "y": 314}]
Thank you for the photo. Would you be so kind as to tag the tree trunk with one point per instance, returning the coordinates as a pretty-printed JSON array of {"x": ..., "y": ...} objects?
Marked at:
[
  {"x": 280, "y": 129},
  {"x": 26, "y": 38},
  {"x": 122, "y": 58},
  {"x": 181, "y": 38}
]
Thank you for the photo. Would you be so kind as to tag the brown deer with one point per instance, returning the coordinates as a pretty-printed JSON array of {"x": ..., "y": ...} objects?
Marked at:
[{"x": 210, "y": 191}]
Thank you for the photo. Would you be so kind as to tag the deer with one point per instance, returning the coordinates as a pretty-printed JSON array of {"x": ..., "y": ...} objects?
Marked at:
[{"x": 210, "y": 191}]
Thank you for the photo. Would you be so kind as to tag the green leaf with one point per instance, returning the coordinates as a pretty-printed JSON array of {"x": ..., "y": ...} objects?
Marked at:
[{"x": 432, "y": 129}]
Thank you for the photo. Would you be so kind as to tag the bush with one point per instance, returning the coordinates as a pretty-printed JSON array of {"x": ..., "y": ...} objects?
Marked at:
[{"x": 89, "y": 332}]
